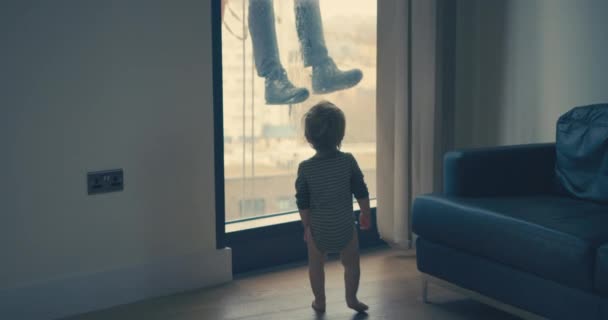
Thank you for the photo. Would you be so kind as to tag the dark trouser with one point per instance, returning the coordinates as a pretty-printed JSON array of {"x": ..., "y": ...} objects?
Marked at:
[{"x": 264, "y": 38}]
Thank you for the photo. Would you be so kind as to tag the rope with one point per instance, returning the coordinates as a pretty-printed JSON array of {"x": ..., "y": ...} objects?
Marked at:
[{"x": 236, "y": 16}]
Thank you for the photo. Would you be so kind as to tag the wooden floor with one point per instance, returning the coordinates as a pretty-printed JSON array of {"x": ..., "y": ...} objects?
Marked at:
[{"x": 390, "y": 285}]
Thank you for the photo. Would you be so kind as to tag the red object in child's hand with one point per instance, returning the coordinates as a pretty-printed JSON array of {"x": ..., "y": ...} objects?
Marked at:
[{"x": 365, "y": 221}]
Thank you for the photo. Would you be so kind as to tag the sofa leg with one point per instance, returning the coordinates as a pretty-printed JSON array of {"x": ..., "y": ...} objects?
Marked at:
[{"x": 425, "y": 290}]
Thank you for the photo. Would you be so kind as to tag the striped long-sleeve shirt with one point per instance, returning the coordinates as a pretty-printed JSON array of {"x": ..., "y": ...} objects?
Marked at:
[{"x": 326, "y": 184}]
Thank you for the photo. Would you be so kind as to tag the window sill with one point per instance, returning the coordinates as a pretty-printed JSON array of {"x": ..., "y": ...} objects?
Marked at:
[{"x": 275, "y": 219}]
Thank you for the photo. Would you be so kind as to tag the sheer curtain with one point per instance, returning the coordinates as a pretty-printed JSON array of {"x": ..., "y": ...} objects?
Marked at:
[{"x": 413, "y": 108}]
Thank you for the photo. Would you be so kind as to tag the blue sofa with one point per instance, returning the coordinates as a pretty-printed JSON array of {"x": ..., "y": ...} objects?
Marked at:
[{"x": 504, "y": 234}]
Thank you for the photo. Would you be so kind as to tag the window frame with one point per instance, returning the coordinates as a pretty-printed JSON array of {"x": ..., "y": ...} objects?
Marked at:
[
  {"x": 218, "y": 122},
  {"x": 268, "y": 245}
]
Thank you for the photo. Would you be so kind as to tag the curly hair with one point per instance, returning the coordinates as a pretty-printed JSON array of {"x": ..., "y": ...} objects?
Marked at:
[{"x": 324, "y": 126}]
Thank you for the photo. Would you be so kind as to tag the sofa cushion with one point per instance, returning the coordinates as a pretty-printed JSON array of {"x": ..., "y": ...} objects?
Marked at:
[
  {"x": 601, "y": 270},
  {"x": 582, "y": 152},
  {"x": 553, "y": 237}
]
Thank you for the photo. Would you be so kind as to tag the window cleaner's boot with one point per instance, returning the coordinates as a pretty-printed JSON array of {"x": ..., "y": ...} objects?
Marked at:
[
  {"x": 326, "y": 77},
  {"x": 279, "y": 90}
]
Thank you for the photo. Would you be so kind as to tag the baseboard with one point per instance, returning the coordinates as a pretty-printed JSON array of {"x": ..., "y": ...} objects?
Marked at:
[
  {"x": 82, "y": 293},
  {"x": 402, "y": 245}
]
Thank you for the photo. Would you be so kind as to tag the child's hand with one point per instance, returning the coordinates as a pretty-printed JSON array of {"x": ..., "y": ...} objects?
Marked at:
[{"x": 365, "y": 220}]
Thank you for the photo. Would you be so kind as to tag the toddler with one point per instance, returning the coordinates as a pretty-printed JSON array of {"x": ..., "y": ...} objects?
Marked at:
[{"x": 325, "y": 187}]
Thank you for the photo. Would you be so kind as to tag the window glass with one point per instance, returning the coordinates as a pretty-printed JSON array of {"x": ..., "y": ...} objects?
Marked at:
[{"x": 263, "y": 134}]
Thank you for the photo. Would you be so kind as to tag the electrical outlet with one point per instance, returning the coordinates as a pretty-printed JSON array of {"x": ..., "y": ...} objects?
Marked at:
[{"x": 105, "y": 181}]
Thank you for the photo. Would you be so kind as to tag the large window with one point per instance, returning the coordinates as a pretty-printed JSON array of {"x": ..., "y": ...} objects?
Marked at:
[{"x": 263, "y": 143}]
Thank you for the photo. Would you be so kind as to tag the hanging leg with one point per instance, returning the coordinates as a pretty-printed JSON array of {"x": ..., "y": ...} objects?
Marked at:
[
  {"x": 279, "y": 90},
  {"x": 326, "y": 77},
  {"x": 310, "y": 32}
]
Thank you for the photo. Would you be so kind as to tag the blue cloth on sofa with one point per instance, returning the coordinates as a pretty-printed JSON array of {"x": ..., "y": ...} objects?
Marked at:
[
  {"x": 582, "y": 152},
  {"x": 551, "y": 236}
]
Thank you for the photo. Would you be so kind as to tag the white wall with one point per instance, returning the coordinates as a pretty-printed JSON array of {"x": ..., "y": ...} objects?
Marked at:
[
  {"x": 92, "y": 85},
  {"x": 523, "y": 63}
]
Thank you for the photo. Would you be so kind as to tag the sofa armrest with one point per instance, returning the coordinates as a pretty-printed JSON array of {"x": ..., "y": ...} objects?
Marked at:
[{"x": 500, "y": 171}]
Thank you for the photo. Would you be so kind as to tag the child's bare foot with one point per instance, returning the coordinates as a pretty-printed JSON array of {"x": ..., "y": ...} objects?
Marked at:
[
  {"x": 357, "y": 306},
  {"x": 318, "y": 306}
]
